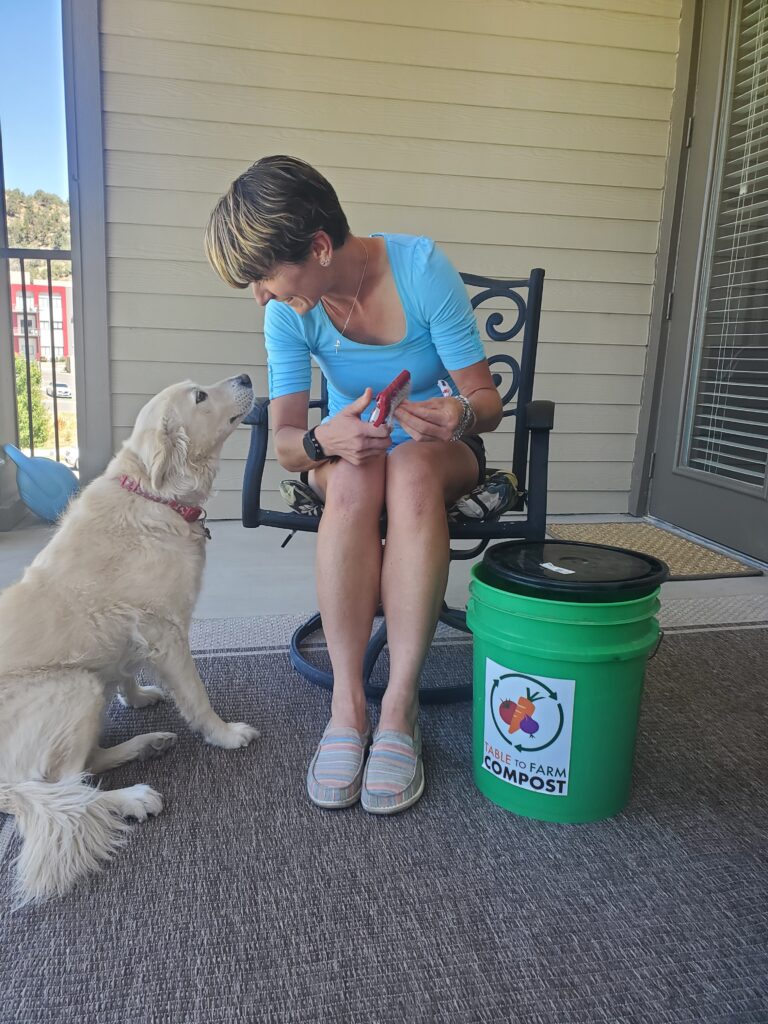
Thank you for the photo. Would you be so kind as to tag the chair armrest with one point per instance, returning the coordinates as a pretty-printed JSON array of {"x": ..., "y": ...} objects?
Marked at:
[
  {"x": 540, "y": 415},
  {"x": 539, "y": 419},
  {"x": 258, "y": 420},
  {"x": 259, "y": 412},
  {"x": 253, "y": 514}
]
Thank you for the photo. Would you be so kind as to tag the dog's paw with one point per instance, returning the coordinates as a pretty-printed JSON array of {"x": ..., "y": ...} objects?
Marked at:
[
  {"x": 140, "y": 802},
  {"x": 158, "y": 743},
  {"x": 233, "y": 735},
  {"x": 141, "y": 696}
]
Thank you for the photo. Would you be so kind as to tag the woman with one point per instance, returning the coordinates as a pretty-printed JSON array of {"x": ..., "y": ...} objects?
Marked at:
[{"x": 364, "y": 308}]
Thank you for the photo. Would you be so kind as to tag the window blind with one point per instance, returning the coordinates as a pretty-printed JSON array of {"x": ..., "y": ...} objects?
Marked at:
[{"x": 728, "y": 429}]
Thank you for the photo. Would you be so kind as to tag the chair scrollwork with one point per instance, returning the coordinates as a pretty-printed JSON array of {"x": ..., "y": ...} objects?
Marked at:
[{"x": 514, "y": 366}]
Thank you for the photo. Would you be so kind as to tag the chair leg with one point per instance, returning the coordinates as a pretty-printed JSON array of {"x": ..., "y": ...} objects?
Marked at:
[
  {"x": 318, "y": 676},
  {"x": 427, "y": 695},
  {"x": 456, "y": 618},
  {"x": 311, "y": 672}
]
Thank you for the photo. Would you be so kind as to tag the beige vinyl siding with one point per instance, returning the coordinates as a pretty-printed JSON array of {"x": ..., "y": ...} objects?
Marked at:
[{"x": 517, "y": 133}]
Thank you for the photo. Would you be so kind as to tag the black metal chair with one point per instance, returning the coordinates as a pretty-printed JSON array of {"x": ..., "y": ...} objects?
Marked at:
[{"x": 530, "y": 456}]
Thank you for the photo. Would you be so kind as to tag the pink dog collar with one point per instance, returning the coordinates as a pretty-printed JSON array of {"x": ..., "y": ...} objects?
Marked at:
[{"x": 189, "y": 513}]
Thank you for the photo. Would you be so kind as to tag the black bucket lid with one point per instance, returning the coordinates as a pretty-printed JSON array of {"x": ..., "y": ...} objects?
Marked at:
[{"x": 571, "y": 570}]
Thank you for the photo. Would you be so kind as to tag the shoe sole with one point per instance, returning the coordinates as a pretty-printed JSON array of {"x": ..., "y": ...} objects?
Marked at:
[
  {"x": 335, "y": 805},
  {"x": 400, "y": 807}
]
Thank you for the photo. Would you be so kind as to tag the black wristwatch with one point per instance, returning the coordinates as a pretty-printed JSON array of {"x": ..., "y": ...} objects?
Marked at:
[{"x": 312, "y": 446}]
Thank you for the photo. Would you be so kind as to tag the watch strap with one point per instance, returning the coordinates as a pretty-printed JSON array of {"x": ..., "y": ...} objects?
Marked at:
[{"x": 315, "y": 444}]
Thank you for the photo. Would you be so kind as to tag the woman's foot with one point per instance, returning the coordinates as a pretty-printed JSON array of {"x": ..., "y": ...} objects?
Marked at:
[
  {"x": 350, "y": 710},
  {"x": 398, "y": 713},
  {"x": 394, "y": 774},
  {"x": 335, "y": 774}
]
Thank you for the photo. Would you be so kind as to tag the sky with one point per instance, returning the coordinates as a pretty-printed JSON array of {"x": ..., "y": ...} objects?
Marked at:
[{"x": 32, "y": 96}]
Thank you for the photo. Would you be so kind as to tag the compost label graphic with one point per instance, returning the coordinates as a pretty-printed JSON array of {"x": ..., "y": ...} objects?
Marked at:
[{"x": 527, "y": 729}]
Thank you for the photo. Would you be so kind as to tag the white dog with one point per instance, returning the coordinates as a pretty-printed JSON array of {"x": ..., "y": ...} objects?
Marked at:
[{"x": 112, "y": 591}]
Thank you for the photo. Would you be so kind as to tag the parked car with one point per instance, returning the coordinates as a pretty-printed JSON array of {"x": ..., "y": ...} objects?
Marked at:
[{"x": 62, "y": 390}]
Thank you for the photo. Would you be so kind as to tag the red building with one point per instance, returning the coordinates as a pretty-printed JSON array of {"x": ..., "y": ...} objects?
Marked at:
[{"x": 38, "y": 316}]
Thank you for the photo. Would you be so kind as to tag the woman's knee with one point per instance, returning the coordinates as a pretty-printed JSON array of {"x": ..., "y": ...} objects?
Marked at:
[
  {"x": 353, "y": 491},
  {"x": 414, "y": 484}
]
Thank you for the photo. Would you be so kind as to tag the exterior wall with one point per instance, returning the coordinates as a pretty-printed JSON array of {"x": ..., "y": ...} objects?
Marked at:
[{"x": 517, "y": 133}]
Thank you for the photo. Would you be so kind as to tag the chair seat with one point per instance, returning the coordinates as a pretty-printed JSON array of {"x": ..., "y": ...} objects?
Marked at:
[{"x": 497, "y": 494}]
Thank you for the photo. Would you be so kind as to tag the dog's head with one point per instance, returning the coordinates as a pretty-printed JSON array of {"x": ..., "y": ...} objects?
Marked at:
[{"x": 179, "y": 434}]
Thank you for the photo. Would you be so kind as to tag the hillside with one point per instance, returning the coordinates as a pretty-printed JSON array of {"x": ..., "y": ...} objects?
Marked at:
[{"x": 38, "y": 221}]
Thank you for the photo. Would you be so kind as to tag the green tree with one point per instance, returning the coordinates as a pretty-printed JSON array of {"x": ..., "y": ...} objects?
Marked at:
[{"x": 41, "y": 419}]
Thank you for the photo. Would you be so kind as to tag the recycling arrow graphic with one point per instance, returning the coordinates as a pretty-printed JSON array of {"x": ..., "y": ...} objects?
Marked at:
[{"x": 551, "y": 695}]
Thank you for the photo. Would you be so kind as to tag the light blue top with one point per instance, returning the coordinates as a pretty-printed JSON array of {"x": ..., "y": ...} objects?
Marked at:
[{"x": 440, "y": 335}]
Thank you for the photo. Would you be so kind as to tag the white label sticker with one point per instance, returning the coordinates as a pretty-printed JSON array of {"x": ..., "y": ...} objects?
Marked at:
[
  {"x": 527, "y": 729},
  {"x": 557, "y": 568}
]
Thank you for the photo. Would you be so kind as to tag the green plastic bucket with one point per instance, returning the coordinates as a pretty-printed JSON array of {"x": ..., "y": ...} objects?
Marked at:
[{"x": 562, "y": 633}]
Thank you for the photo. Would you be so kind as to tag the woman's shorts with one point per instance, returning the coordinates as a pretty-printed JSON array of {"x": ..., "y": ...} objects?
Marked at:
[{"x": 475, "y": 444}]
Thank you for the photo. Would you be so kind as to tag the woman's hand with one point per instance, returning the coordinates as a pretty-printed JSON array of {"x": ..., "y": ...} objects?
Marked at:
[
  {"x": 348, "y": 437},
  {"x": 435, "y": 419}
]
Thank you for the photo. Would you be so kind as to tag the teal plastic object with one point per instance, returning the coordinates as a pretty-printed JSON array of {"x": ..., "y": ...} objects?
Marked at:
[{"x": 45, "y": 486}]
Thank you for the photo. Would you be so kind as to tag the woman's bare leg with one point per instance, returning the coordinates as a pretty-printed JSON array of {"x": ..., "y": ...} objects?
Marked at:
[
  {"x": 422, "y": 478},
  {"x": 349, "y": 555}
]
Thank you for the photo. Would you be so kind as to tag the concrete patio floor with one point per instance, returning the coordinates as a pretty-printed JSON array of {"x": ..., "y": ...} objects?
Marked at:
[{"x": 249, "y": 575}]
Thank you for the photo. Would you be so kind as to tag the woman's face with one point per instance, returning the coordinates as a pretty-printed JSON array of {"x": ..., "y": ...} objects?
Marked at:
[{"x": 299, "y": 285}]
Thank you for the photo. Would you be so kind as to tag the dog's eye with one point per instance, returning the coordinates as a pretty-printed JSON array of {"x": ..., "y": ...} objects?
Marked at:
[{"x": 200, "y": 396}]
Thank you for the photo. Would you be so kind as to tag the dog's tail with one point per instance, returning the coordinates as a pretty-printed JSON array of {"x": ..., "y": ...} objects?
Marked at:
[{"x": 68, "y": 829}]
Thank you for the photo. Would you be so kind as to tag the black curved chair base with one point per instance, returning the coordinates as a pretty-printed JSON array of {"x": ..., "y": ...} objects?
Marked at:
[{"x": 319, "y": 677}]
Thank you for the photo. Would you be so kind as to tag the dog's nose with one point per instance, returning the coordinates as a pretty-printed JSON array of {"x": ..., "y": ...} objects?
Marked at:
[{"x": 244, "y": 380}]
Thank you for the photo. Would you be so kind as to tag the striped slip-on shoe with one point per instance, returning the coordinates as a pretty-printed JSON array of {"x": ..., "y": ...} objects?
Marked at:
[
  {"x": 335, "y": 774},
  {"x": 394, "y": 775}
]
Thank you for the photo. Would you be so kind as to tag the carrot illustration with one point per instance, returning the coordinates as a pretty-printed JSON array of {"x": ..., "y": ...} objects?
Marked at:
[{"x": 524, "y": 709}]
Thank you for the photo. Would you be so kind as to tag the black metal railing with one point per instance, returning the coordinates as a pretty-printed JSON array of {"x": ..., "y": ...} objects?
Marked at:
[{"x": 25, "y": 257}]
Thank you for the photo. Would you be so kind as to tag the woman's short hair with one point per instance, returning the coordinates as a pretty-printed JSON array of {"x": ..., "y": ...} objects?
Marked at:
[{"x": 270, "y": 215}]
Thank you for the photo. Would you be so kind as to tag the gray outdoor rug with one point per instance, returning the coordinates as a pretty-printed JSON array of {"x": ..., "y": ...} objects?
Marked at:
[{"x": 242, "y": 902}]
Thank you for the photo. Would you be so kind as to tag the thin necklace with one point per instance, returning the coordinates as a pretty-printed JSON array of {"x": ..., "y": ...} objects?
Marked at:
[{"x": 354, "y": 302}]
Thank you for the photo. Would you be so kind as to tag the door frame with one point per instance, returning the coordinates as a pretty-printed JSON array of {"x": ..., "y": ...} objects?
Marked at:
[
  {"x": 11, "y": 506},
  {"x": 85, "y": 151},
  {"x": 683, "y": 104}
]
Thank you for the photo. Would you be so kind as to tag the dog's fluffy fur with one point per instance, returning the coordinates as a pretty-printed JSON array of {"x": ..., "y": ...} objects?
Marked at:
[{"x": 112, "y": 591}]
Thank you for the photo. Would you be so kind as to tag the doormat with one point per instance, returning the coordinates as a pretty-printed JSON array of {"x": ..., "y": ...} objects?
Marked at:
[{"x": 686, "y": 559}]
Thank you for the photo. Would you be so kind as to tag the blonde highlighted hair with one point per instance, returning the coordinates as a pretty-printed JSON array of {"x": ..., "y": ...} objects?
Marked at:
[{"x": 270, "y": 215}]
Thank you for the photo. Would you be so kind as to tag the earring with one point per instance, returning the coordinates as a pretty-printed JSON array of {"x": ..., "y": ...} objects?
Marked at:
[{"x": 325, "y": 260}]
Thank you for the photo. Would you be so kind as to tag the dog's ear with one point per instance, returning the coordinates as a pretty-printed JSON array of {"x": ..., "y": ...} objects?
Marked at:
[{"x": 170, "y": 453}]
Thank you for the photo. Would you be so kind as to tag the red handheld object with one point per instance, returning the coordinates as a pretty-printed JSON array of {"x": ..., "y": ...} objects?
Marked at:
[{"x": 389, "y": 399}]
